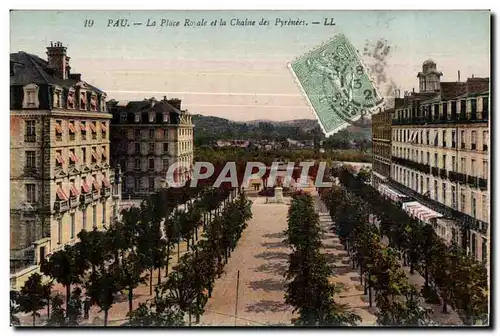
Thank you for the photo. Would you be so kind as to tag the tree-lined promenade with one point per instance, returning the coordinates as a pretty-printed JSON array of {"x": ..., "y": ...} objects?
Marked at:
[
  {"x": 452, "y": 278},
  {"x": 103, "y": 264}
]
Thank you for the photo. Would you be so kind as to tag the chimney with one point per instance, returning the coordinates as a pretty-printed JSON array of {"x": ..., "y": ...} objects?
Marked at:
[
  {"x": 56, "y": 56},
  {"x": 458, "y": 75},
  {"x": 76, "y": 77},
  {"x": 164, "y": 98},
  {"x": 413, "y": 90}
]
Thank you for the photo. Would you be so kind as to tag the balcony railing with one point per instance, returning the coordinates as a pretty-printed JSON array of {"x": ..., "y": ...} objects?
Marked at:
[
  {"x": 443, "y": 173},
  {"x": 95, "y": 194},
  {"x": 473, "y": 146},
  {"x": 84, "y": 136},
  {"x": 472, "y": 181},
  {"x": 73, "y": 202},
  {"x": 106, "y": 192},
  {"x": 94, "y": 136},
  {"x": 61, "y": 206},
  {"x": 72, "y": 136},
  {"x": 30, "y": 138},
  {"x": 86, "y": 198},
  {"x": 435, "y": 171},
  {"x": 483, "y": 183}
]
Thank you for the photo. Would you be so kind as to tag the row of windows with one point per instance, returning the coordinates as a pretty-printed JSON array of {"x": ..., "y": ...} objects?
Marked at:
[
  {"x": 141, "y": 183},
  {"x": 444, "y": 138},
  {"x": 72, "y": 217},
  {"x": 151, "y": 133},
  {"x": 441, "y": 192},
  {"x": 469, "y": 167},
  {"x": 72, "y": 130},
  {"x": 87, "y": 184},
  {"x": 150, "y": 163},
  {"x": 471, "y": 105},
  {"x": 152, "y": 146}
]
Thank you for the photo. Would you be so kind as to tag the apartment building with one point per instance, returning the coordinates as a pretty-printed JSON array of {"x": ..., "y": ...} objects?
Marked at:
[
  {"x": 440, "y": 159},
  {"x": 60, "y": 177},
  {"x": 148, "y": 137},
  {"x": 381, "y": 146}
]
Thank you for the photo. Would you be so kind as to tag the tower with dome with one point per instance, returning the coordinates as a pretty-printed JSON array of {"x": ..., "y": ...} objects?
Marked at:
[{"x": 429, "y": 78}]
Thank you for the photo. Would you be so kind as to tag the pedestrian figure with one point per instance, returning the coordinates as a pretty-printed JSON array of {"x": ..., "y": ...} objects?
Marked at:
[{"x": 86, "y": 309}]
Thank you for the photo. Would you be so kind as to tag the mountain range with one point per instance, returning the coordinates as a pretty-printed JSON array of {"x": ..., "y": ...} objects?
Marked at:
[{"x": 210, "y": 128}]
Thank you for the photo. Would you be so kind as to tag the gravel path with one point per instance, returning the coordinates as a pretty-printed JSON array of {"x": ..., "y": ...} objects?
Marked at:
[{"x": 261, "y": 258}]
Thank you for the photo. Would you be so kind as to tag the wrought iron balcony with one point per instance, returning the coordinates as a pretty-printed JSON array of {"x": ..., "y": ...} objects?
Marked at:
[
  {"x": 61, "y": 206},
  {"x": 106, "y": 192},
  {"x": 443, "y": 173},
  {"x": 86, "y": 198},
  {"x": 435, "y": 171},
  {"x": 472, "y": 181},
  {"x": 483, "y": 183},
  {"x": 73, "y": 202},
  {"x": 30, "y": 138},
  {"x": 95, "y": 194}
]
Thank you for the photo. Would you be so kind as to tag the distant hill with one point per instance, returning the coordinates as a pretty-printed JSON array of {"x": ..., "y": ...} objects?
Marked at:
[{"x": 209, "y": 128}]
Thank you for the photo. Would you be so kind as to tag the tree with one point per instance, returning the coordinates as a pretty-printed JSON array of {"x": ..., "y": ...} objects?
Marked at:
[
  {"x": 14, "y": 308},
  {"x": 58, "y": 317},
  {"x": 32, "y": 296},
  {"x": 75, "y": 306},
  {"x": 407, "y": 312},
  {"x": 102, "y": 288},
  {"x": 66, "y": 267},
  {"x": 156, "y": 312},
  {"x": 130, "y": 276}
]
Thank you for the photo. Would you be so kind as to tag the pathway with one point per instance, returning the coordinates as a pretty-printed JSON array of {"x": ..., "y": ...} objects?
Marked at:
[{"x": 261, "y": 259}]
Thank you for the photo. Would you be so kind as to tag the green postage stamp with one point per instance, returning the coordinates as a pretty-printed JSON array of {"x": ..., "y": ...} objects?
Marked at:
[{"x": 336, "y": 84}]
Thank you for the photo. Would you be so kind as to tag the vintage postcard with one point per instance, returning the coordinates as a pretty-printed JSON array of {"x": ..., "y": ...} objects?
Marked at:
[{"x": 250, "y": 168}]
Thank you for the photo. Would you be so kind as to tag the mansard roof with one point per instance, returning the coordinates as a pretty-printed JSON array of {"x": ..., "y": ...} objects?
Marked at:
[{"x": 30, "y": 69}]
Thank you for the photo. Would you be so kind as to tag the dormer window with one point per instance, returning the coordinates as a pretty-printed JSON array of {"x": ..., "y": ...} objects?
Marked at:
[
  {"x": 57, "y": 97},
  {"x": 30, "y": 99},
  {"x": 83, "y": 100},
  {"x": 71, "y": 99},
  {"x": 165, "y": 118},
  {"x": 137, "y": 117},
  {"x": 59, "y": 130},
  {"x": 93, "y": 102},
  {"x": 103, "y": 103},
  {"x": 123, "y": 117},
  {"x": 151, "y": 117}
]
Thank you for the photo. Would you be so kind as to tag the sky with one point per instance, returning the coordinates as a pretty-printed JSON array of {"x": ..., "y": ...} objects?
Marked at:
[{"x": 241, "y": 72}]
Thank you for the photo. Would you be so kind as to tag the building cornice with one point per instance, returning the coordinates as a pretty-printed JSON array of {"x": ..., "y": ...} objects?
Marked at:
[{"x": 62, "y": 113}]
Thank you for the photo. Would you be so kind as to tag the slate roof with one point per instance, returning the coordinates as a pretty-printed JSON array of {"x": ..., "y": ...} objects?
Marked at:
[{"x": 31, "y": 69}]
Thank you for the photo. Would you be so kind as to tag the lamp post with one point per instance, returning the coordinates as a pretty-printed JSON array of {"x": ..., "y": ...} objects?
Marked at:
[{"x": 368, "y": 283}]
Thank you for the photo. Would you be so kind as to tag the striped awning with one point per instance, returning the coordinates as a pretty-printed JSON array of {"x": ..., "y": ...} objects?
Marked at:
[
  {"x": 61, "y": 194},
  {"x": 83, "y": 127},
  {"x": 421, "y": 212},
  {"x": 71, "y": 128},
  {"x": 392, "y": 194},
  {"x": 92, "y": 127}
]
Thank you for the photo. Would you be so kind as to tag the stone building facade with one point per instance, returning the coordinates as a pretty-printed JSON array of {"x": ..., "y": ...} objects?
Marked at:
[
  {"x": 60, "y": 174},
  {"x": 440, "y": 159},
  {"x": 381, "y": 146},
  {"x": 148, "y": 137}
]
